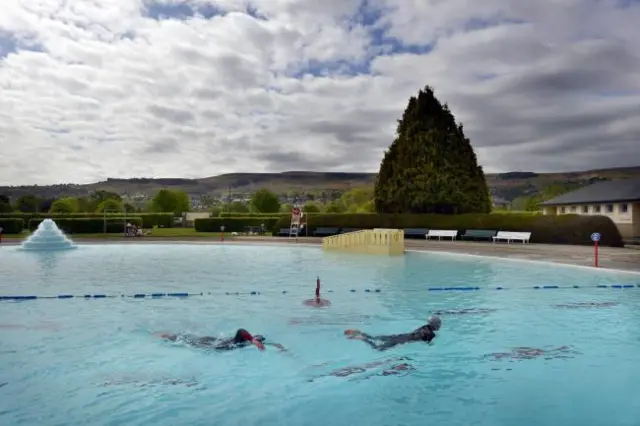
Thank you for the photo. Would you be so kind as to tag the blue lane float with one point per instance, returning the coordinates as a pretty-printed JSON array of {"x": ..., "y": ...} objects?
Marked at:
[
  {"x": 453, "y": 288},
  {"x": 258, "y": 293}
]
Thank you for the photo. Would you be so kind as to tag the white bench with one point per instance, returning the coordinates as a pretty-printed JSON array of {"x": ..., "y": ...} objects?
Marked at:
[
  {"x": 441, "y": 233},
  {"x": 512, "y": 236}
]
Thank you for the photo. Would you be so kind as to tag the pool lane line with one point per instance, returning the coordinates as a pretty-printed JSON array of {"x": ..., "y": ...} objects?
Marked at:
[{"x": 257, "y": 293}]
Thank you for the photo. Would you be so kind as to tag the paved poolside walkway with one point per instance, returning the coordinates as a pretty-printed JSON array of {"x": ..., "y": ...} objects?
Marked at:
[{"x": 610, "y": 258}]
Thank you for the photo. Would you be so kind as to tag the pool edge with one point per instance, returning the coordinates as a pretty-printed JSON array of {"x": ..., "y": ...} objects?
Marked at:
[
  {"x": 307, "y": 244},
  {"x": 546, "y": 262}
]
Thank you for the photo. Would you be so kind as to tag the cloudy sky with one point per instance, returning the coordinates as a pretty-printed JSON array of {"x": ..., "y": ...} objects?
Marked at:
[{"x": 91, "y": 89}]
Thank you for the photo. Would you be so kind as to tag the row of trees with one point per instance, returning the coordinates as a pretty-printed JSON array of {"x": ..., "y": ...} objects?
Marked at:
[
  {"x": 358, "y": 200},
  {"x": 165, "y": 200}
]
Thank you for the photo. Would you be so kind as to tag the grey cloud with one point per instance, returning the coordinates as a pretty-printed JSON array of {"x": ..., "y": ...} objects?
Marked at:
[
  {"x": 236, "y": 71},
  {"x": 352, "y": 128},
  {"x": 190, "y": 54},
  {"x": 162, "y": 146},
  {"x": 208, "y": 93},
  {"x": 595, "y": 68},
  {"x": 298, "y": 161},
  {"x": 171, "y": 114},
  {"x": 559, "y": 91}
]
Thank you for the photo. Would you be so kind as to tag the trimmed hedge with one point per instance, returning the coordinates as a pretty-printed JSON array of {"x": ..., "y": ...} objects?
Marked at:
[
  {"x": 239, "y": 215},
  {"x": 11, "y": 225},
  {"x": 89, "y": 225},
  {"x": 149, "y": 220},
  {"x": 234, "y": 224},
  {"x": 562, "y": 229}
]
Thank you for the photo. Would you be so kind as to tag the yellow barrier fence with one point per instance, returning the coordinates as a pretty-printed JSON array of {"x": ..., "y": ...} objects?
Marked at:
[{"x": 369, "y": 241}]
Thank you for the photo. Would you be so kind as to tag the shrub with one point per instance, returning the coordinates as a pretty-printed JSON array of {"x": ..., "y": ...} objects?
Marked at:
[
  {"x": 234, "y": 224},
  {"x": 89, "y": 225},
  {"x": 149, "y": 220},
  {"x": 11, "y": 225},
  {"x": 564, "y": 229},
  {"x": 239, "y": 215}
]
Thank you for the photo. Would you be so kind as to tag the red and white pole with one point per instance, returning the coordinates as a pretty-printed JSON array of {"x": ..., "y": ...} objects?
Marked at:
[{"x": 595, "y": 237}]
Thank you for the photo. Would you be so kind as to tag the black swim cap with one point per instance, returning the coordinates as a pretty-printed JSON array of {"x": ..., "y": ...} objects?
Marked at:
[
  {"x": 259, "y": 338},
  {"x": 435, "y": 322}
]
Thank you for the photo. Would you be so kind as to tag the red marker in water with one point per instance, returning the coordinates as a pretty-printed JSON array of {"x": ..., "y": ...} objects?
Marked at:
[{"x": 317, "y": 302}]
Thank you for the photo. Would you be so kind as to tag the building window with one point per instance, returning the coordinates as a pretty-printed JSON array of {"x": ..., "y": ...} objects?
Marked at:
[
  {"x": 585, "y": 209},
  {"x": 596, "y": 209},
  {"x": 563, "y": 210},
  {"x": 573, "y": 209},
  {"x": 624, "y": 208},
  {"x": 609, "y": 208}
]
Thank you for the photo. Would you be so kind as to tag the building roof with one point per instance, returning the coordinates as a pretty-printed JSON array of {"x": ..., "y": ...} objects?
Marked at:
[{"x": 602, "y": 192}]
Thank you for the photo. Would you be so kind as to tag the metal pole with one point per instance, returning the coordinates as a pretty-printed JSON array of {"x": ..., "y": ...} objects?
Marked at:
[
  {"x": 125, "y": 220},
  {"x": 104, "y": 223}
]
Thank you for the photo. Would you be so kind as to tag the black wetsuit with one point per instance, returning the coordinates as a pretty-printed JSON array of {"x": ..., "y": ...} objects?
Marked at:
[
  {"x": 381, "y": 343},
  {"x": 238, "y": 341}
]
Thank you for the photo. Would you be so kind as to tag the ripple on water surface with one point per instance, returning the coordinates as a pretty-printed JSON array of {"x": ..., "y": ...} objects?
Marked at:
[{"x": 511, "y": 357}]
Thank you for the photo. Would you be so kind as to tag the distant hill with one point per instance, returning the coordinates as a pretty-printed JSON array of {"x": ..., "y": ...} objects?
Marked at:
[{"x": 505, "y": 186}]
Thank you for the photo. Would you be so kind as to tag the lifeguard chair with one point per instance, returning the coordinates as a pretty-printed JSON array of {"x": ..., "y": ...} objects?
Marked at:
[{"x": 296, "y": 221}]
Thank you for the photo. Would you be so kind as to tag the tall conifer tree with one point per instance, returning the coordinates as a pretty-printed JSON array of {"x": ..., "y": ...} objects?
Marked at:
[{"x": 430, "y": 167}]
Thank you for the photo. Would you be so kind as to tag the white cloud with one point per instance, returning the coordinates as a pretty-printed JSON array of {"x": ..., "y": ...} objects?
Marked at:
[{"x": 96, "y": 89}]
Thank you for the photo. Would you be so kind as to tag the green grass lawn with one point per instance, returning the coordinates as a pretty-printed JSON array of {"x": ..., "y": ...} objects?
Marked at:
[{"x": 157, "y": 233}]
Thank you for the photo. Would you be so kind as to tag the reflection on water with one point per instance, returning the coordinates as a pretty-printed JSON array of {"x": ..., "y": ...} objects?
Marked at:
[
  {"x": 333, "y": 320},
  {"x": 578, "y": 305},
  {"x": 397, "y": 366},
  {"x": 146, "y": 382},
  {"x": 47, "y": 261},
  {"x": 465, "y": 311},
  {"x": 521, "y": 353}
]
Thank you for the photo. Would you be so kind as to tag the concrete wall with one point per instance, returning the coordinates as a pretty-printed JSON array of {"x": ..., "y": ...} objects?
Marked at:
[{"x": 625, "y": 215}]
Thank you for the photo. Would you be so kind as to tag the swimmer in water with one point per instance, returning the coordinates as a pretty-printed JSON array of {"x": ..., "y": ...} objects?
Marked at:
[
  {"x": 242, "y": 339},
  {"x": 426, "y": 333},
  {"x": 317, "y": 302}
]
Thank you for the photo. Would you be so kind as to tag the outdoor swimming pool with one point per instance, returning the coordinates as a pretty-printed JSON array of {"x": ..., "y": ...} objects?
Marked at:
[{"x": 76, "y": 361}]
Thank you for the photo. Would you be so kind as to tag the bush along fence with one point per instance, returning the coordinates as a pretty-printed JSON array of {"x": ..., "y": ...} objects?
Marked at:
[
  {"x": 90, "y": 225},
  {"x": 563, "y": 229},
  {"x": 270, "y": 215},
  {"x": 149, "y": 220},
  {"x": 234, "y": 224},
  {"x": 11, "y": 225}
]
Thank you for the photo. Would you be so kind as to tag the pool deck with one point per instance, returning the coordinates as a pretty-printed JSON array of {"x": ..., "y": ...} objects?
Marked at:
[{"x": 625, "y": 259}]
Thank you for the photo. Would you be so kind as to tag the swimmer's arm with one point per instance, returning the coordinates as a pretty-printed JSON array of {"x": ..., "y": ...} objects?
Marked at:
[
  {"x": 277, "y": 345},
  {"x": 258, "y": 344},
  {"x": 167, "y": 336}
]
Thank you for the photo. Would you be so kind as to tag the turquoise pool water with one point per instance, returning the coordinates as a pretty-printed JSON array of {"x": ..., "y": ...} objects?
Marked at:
[{"x": 96, "y": 362}]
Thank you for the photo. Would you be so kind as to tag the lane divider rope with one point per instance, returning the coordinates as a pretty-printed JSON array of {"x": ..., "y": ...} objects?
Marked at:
[{"x": 256, "y": 293}]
